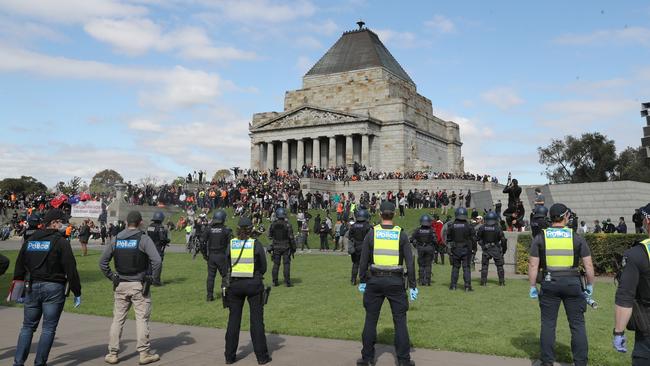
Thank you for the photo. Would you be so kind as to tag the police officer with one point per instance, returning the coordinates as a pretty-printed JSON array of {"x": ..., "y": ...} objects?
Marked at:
[
  {"x": 158, "y": 234},
  {"x": 424, "y": 239},
  {"x": 217, "y": 238},
  {"x": 385, "y": 253},
  {"x": 283, "y": 246},
  {"x": 133, "y": 252},
  {"x": 356, "y": 234},
  {"x": 245, "y": 267},
  {"x": 45, "y": 262},
  {"x": 461, "y": 243},
  {"x": 539, "y": 221},
  {"x": 4, "y": 264},
  {"x": 32, "y": 225},
  {"x": 490, "y": 238},
  {"x": 633, "y": 297},
  {"x": 556, "y": 252}
]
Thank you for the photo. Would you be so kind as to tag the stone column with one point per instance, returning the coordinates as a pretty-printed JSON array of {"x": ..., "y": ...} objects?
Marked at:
[
  {"x": 270, "y": 152},
  {"x": 332, "y": 152},
  {"x": 365, "y": 150},
  {"x": 300, "y": 156},
  {"x": 255, "y": 156},
  {"x": 284, "y": 165},
  {"x": 315, "y": 160},
  {"x": 348, "y": 150}
]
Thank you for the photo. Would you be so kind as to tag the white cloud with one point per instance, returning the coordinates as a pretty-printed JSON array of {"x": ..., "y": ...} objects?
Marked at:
[
  {"x": 267, "y": 11},
  {"x": 441, "y": 24},
  {"x": 634, "y": 35},
  {"x": 19, "y": 33},
  {"x": 140, "y": 124},
  {"x": 71, "y": 11},
  {"x": 176, "y": 87},
  {"x": 503, "y": 97},
  {"x": 139, "y": 35},
  {"x": 396, "y": 38}
]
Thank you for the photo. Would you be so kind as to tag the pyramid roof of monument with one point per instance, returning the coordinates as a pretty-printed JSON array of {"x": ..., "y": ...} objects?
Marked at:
[{"x": 357, "y": 50}]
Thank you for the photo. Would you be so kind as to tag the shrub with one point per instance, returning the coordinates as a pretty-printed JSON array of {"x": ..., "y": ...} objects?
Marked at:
[{"x": 605, "y": 249}]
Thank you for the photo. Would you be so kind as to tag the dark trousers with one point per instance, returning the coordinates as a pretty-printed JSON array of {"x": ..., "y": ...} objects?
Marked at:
[
  {"x": 216, "y": 263},
  {"x": 567, "y": 290},
  {"x": 492, "y": 252},
  {"x": 439, "y": 251},
  {"x": 356, "y": 258},
  {"x": 378, "y": 289},
  {"x": 458, "y": 257},
  {"x": 283, "y": 255},
  {"x": 240, "y": 290},
  {"x": 641, "y": 352},
  {"x": 323, "y": 242},
  {"x": 425, "y": 260}
]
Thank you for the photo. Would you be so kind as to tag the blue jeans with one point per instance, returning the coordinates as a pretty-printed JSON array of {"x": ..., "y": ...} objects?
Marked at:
[{"x": 46, "y": 299}]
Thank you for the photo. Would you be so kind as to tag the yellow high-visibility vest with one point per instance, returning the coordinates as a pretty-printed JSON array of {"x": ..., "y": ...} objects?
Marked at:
[
  {"x": 559, "y": 249},
  {"x": 646, "y": 245},
  {"x": 386, "y": 252},
  {"x": 246, "y": 264}
]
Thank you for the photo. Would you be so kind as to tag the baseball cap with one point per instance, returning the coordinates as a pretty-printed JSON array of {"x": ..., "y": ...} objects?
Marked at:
[
  {"x": 245, "y": 222},
  {"x": 558, "y": 210},
  {"x": 387, "y": 206},
  {"x": 54, "y": 214}
]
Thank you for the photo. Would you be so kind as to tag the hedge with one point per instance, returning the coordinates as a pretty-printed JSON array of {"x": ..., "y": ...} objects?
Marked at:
[{"x": 605, "y": 248}]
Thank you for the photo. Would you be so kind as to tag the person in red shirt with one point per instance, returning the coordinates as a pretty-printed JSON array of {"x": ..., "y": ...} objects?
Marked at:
[{"x": 440, "y": 249}]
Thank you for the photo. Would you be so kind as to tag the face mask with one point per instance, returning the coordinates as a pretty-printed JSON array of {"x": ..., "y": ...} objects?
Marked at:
[{"x": 62, "y": 228}]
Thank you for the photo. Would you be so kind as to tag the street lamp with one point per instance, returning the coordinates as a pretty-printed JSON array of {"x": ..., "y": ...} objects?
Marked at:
[{"x": 645, "y": 141}]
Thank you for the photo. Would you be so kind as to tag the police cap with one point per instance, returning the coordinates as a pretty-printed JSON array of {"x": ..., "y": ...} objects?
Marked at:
[
  {"x": 387, "y": 206},
  {"x": 558, "y": 210},
  {"x": 54, "y": 214},
  {"x": 645, "y": 211},
  {"x": 245, "y": 221}
]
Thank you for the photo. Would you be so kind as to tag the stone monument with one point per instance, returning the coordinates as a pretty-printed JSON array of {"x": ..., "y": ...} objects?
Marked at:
[{"x": 357, "y": 104}]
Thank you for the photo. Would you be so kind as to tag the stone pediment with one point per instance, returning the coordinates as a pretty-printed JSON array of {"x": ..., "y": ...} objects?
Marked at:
[{"x": 308, "y": 117}]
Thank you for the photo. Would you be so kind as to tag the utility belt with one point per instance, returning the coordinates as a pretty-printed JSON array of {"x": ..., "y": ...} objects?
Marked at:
[
  {"x": 548, "y": 276},
  {"x": 640, "y": 319},
  {"x": 489, "y": 245},
  {"x": 386, "y": 272}
]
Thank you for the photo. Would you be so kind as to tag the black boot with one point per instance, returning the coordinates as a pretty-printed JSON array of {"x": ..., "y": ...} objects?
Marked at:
[
  {"x": 452, "y": 287},
  {"x": 483, "y": 282},
  {"x": 468, "y": 289},
  {"x": 276, "y": 283},
  {"x": 502, "y": 283},
  {"x": 210, "y": 297}
]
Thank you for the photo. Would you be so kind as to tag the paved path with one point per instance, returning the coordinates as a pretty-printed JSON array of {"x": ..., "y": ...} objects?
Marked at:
[{"x": 81, "y": 340}]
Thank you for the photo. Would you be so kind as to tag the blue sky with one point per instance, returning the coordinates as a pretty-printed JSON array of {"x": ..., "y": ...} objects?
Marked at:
[{"x": 159, "y": 88}]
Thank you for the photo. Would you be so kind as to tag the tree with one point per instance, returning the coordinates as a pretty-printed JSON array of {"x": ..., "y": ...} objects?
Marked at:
[
  {"x": 105, "y": 180},
  {"x": 149, "y": 181},
  {"x": 24, "y": 184},
  {"x": 590, "y": 158},
  {"x": 221, "y": 174},
  {"x": 72, "y": 187},
  {"x": 179, "y": 181},
  {"x": 633, "y": 165}
]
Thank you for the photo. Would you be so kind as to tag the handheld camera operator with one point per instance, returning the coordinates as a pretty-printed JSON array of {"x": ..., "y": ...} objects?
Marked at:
[
  {"x": 46, "y": 264},
  {"x": 132, "y": 252},
  {"x": 385, "y": 253},
  {"x": 553, "y": 261},
  {"x": 633, "y": 298}
]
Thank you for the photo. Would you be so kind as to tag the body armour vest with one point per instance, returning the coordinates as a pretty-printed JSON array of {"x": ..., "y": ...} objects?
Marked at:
[
  {"x": 358, "y": 232},
  {"x": 280, "y": 234},
  {"x": 153, "y": 231},
  {"x": 217, "y": 239},
  {"x": 489, "y": 234},
  {"x": 37, "y": 252},
  {"x": 424, "y": 236},
  {"x": 129, "y": 259},
  {"x": 460, "y": 234}
]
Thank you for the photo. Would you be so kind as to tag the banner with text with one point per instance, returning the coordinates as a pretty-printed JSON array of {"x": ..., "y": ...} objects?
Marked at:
[{"x": 90, "y": 209}]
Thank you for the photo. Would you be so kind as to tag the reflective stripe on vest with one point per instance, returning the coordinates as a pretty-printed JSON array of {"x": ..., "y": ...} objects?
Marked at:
[
  {"x": 246, "y": 265},
  {"x": 559, "y": 249},
  {"x": 646, "y": 245},
  {"x": 386, "y": 252}
]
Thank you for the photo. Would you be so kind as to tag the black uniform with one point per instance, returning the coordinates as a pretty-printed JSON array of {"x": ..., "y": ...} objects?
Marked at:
[
  {"x": 217, "y": 239},
  {"x": 425, "y": 242},
  {"x": 356, "y": 235},
  {"x": 537, "y": 224},
  {"x": 4, "y": 264},
  {"x": 634, "y": 286},
  {"x": 158, "y": 234},
  {"x": 490, "y": 238},
  {"x": 252, "y": 289},
  {"x": 563, "y": 287},
  {"x": 386, "y": 285},
  {"x": 461, "y": 242},
  {"x": 282, "y": 247}
]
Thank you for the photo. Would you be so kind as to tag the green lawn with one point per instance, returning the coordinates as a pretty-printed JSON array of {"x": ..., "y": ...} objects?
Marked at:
[{"x": 492, "y": 320}]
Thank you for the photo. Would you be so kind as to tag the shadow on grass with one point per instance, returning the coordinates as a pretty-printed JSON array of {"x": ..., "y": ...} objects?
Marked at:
[
  {"x": 10, "y": 352},
  {"x": 273, "y": 341},
  {"x": 174, "y": 280},
  {"x": 166, "y": 344},
  {"x": 529, "y": 343},
  {"x": 78, "y": 357}
]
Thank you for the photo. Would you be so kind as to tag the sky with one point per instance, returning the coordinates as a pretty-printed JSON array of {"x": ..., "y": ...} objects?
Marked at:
[{"x": 155, "y": 88}]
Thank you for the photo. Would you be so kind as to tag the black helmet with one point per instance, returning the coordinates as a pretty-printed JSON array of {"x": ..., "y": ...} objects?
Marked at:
[
  {"x": 280, "y": 213},
  {"x": 425, "y": 220},
  {"x": 362, "y": 215},
  {"x": 158, "y": 216},
  {"x": 461, "y": 213},
  {"x": 34, "y": 219},
  {"x": 245, "y": 222},
  {"x": 219, "y": 217},
  {"x": 491, "y": 218},
  {"x": 540, "y": 211}
]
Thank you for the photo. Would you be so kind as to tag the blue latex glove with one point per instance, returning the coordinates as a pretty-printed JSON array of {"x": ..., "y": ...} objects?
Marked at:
[
  {"x": 20, "y": 300},
  {"x": 414, "y": 294},
  {"x": 77, "y": 301},
  {"x": 533, "y": 293},
  {"x": 362, "y": 287},
  {"x": 589, "y": 290},
  {"x": 620, "y": 343}
]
